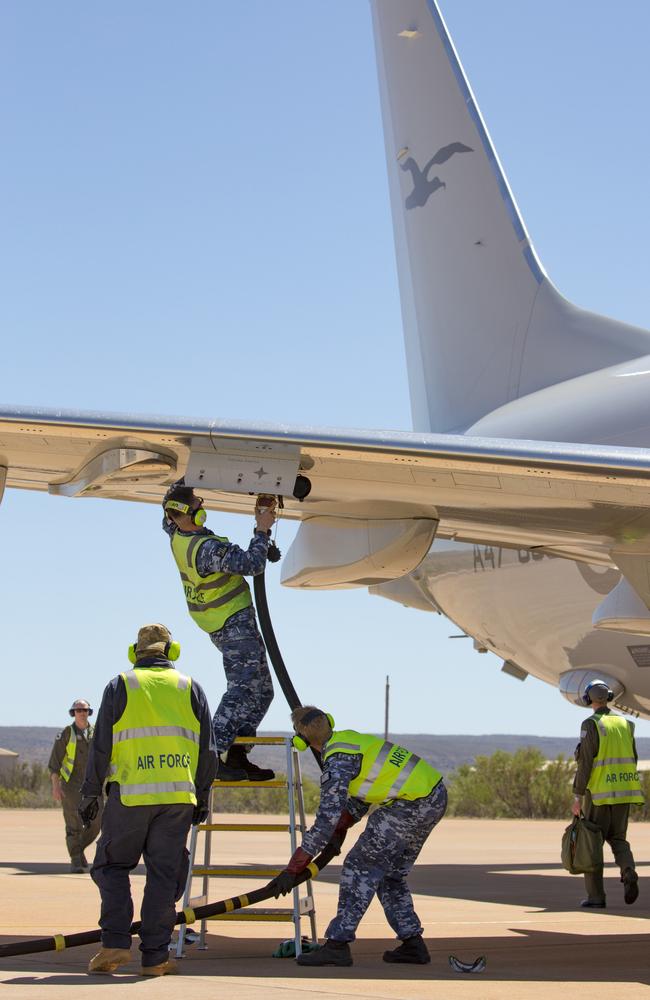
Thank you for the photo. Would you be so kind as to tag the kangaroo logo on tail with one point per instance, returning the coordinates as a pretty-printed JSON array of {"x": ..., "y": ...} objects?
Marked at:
[{"x": 423, "y": 188}]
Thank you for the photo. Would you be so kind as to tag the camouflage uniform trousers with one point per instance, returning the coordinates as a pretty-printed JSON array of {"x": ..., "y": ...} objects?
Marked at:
[
  {"x": 249, "y": 690},
  {"x": 380, "y": 862}
]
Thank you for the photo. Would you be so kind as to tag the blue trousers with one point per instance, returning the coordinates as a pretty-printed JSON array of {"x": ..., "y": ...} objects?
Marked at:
[
  {"x": 380, "y": 862},
  {"x": 249, "y": 690}
]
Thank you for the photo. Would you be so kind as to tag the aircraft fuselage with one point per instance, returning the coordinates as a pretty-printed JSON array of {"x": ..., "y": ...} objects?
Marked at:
[{"x": 534, "y": 610}]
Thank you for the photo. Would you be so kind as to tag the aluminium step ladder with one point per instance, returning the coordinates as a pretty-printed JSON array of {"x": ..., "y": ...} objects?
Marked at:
[{"x": 303, "y": 905}]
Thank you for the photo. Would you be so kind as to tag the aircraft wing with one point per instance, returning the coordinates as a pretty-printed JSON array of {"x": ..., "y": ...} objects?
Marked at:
[{"x": 577, "y": 501}]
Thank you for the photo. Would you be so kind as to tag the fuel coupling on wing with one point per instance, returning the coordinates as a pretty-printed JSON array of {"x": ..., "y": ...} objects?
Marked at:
[
  {"x": 264, "y": 503},
  {"x": 236, "y": 465}
]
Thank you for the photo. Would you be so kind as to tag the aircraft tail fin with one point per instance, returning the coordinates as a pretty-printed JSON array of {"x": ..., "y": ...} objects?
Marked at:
[{"x": 483, "y": 324}]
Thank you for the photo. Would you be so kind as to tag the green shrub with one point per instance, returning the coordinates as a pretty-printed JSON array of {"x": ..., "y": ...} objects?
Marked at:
[
  {"x": 519, "y": 786},
  {"x": 28, "y": 786}
]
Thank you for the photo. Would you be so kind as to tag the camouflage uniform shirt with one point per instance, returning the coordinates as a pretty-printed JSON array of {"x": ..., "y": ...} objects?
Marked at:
[
  {"x": 340, "y": 769},
  {"x": 217, "y": 556}
]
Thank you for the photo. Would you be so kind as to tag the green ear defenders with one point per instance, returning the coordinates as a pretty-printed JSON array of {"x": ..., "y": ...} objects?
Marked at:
[
  {"x": 172, "y": 651},
  {"x": 299, "y": 742},
  {"x": 198, "y": 516}
]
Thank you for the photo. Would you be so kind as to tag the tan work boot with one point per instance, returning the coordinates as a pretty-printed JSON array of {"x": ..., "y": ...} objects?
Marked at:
[
  {"x": 108, "y": 960},
  {"x": 168, "y": 968}
]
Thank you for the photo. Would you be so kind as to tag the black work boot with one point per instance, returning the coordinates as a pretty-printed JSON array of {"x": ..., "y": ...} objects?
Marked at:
[
  {"x": 228, "y": 772},
  {"x": 330, "y": 953},
  {"x": 412, "y": 950},
  {"x": 630, "y": 881},
  {"x": 238, "y": 758}
]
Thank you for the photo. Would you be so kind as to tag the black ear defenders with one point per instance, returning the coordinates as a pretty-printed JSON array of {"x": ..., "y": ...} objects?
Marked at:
[
  {"x": 300, "y": 742},
  {"x": 586, "y": 698},
  {"x": 71, "y": 711},
  {"x": 171, "y": 651}
]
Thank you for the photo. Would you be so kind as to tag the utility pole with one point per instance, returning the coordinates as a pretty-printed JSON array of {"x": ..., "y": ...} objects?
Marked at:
[{"x": 386, "y": 707}]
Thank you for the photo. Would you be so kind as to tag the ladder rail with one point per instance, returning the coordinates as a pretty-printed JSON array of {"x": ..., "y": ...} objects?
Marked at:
[
  {"x": 303, "y": 826},
  {"x": 186, "y": 894},
  {"x": 291, "y": 794},
  {"x": 207, "y": 846}
]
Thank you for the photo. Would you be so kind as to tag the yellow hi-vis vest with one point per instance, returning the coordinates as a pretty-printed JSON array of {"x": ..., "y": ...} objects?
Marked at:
[
  {"x": 156, "y": 741},
  {"x": 388, "y": 771},
  {"x": 211, "y": 600},
  {"x": 614, "y": 778},
  {"x": 67, "y": 764}
]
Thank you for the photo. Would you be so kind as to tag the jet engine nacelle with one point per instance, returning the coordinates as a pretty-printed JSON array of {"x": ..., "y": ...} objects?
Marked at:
[{"x": 332, "y": 552}]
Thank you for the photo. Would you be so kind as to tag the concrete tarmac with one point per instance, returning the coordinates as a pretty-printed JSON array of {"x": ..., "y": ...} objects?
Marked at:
[{"x": 481, "y": 888}]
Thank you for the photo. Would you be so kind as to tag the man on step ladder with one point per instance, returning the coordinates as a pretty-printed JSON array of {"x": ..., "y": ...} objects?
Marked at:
[{"x": 212, "y": 571}]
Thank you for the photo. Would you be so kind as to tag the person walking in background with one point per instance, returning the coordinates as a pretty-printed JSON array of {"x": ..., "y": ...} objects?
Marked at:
[
  {"x": 606, "y": 785},
  {"x": 67, "y": 766}
]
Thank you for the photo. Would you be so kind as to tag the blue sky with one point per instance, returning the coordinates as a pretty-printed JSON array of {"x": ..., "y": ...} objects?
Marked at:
[{"x": 195, "y": 221}]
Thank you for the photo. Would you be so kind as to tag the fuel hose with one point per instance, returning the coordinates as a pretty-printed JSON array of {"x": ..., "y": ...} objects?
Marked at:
[
  {"x": 271, "y": 643},
  {"x": 59, "y": 942}
]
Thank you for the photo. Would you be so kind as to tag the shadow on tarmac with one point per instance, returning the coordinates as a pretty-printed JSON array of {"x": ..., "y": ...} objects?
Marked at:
[
  {"x": 518, "y": 885},
  {"x": 49, "y": 868},
  {"x": 527, "y": 955},
  {"x": 530, "y": 956}
]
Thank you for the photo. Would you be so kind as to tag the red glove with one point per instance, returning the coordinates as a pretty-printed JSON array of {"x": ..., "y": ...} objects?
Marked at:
[
  {"x": 346, "y": 820},
  {"x": 298, "y": 861}
]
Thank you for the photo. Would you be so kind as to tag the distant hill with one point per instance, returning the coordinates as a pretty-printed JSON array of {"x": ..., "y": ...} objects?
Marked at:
[{"x": 34, "y": 743}]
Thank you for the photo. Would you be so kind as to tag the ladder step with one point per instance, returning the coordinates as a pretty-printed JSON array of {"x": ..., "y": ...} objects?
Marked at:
[
  {"x": 281, "y": 915},
  {"x": 246, "y": 871},
  {"x": 278, "y": 827},
  {"x": 267, "y": 741},
  {"x": 276, "y": 783}
]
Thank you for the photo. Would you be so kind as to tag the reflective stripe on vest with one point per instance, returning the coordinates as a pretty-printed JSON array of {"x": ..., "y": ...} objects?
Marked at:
[
  {"x": 211, "y": 600},
  {"x": 388, "y": 771},
  {"x": 614, "y": 777},
  {"x": 67, "y": 765},
  {"x": 156, "y": 741}
]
